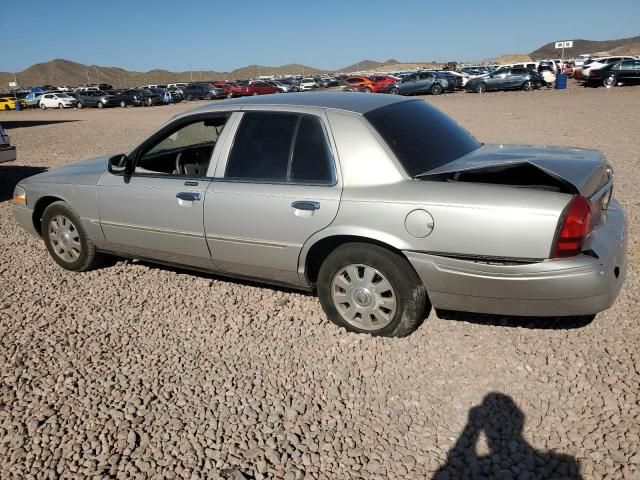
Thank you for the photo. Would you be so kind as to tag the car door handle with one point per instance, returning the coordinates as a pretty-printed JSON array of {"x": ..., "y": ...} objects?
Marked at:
[
  {"x": 189, "y": 196},
  {"x": 306, "y": 205}
]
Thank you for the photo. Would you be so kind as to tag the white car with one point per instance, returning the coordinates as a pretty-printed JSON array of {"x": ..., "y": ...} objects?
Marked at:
[
  {"x": 7, "y": 152},
  {"x": 57, "y": 100},
  {"x": 177, "y": 85},
  {"x": 307, "y": 84}
]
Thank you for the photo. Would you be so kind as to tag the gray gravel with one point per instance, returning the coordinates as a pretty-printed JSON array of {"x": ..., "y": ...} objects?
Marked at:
[{"x": 135, "y": 370}]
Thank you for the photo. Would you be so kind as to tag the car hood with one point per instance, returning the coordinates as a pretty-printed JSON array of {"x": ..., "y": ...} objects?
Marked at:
[
  {"x": 86, "y": 172},
  {"x": 583, "y": 170}
]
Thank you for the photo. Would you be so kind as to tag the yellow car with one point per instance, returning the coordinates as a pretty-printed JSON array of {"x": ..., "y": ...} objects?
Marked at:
[{"x": 7, "y": 103}]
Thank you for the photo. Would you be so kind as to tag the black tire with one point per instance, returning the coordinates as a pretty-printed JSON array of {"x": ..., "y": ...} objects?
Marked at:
[
  {"x": 410, "y": 295},
  {"x": 60, "y": 106},
  {"x": 436, "y": 89},
  {"x": 189, "y": 98},
  {"x": 100, "y": 105},
  {"x": 365, "y": 90},
  {"x": 610, "y": 81},
  {"x": 80, "y": 105},
  {"x": 43, "y": 106},
  {"x": 88, "y": 257},
  {"x": 394, "y": 91},
  {"x": 481, "y": 87},
  {"x": 229, "y": 95},
  {"x": 527, "y": 86},
  {"x": 123, "y": 104}
]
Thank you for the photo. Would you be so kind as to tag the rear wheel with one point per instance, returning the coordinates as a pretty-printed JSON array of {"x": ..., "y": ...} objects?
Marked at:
[
  {"x": 123, "y": 104},
  {"x": 365, "y": 90},
  {"x": 189, "y": 98},
  {"x": 481, "y": 87},
  {"x": 66, "y": 239},
  {"x": 394, "y": 91},
  {"x": 100, "y": 105},
  {"x": 369, "y": 289},
  {"x": 60, "y": 106},
  {"x": 254, "y": 94},
  {"x": 229, "y": 95},
  {"x": 43, "y": 106},
  {"x": 436, "y": 89},
  {"x": 527, "y": 86},
  {"x": 610, "y": 81},
  {"x": 80, "y": 105}
]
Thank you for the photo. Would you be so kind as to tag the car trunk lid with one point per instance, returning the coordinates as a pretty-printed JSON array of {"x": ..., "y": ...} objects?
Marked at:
[{"x": 568, "y": 170}]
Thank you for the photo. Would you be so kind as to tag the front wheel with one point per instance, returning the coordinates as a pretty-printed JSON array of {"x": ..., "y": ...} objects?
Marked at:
[
  {"x": 43, "y": 106},
  {"x": 368, "y": 289},
  {"x": 100, "y": 105},
  {"x": 527, "y": 86},
  {"x": 436, "y": 89},
  {"x": 66, "y": 239},
  {"x": 366, "y": 90},
  {"x": 609, "y": 81},
  {"x": 481, "y": 87},
  {"x": 229, "y": 95},
  {"x": 60, "y": 106},
  {"x": 394, "y": 91},
  {"x": 123, "y": 104},
  {"x": 80, "y": 105}
]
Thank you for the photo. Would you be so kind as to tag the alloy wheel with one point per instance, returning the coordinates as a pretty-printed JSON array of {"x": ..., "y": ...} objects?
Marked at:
[
  {"x": 363, "y": 297},
  {"x": 65, "y": 238}
]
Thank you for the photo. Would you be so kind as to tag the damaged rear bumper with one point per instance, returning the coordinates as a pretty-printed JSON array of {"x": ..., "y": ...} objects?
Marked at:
[{"x": 581, "y": 285}]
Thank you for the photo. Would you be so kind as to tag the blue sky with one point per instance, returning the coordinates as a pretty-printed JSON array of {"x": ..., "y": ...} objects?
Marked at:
[{"x": 217, "y": 35}]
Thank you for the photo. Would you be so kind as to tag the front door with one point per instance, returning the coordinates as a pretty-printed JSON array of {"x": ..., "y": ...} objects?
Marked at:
[
  {"x": 157, "y": 211},
  {"x": 277, "y": 186}
]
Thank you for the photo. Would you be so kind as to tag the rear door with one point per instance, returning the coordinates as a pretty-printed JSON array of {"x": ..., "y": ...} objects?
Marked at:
[{"x": 275, "y": 187}]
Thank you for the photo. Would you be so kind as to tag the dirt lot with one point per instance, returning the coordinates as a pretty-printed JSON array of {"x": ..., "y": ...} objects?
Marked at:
[{"x": 140, "y": 371}]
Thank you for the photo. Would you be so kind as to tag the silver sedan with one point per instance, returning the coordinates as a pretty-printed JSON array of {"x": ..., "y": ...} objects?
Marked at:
[{"x": 383, "y": 205}]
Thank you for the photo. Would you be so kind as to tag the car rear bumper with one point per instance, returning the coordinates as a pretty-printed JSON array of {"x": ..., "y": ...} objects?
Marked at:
[
  {"x": 7, "y": 154},
  {"x": 580, "y": 285}
]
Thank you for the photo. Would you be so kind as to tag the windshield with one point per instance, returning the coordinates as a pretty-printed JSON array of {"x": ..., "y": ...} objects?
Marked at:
[{"x": 421, "y": 136}]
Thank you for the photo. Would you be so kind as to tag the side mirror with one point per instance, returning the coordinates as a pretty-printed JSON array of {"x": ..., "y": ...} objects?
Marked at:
[{"x": 120, "y": 164}]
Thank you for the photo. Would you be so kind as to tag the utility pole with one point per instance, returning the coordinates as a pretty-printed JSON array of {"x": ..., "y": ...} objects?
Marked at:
[{"x": 86, "y": 67}]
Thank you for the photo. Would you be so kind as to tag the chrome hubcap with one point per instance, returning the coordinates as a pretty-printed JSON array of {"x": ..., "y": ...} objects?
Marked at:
[
  {"x": 364, "y": 297},
  {"x": 65, "y": 238}
]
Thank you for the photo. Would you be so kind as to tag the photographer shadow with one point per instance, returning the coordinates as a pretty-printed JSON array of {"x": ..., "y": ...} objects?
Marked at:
[{"x": 509, "y": 455}]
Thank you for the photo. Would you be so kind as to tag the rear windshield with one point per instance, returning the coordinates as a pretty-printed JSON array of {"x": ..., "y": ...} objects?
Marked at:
[{"x": 422, "y": 137}]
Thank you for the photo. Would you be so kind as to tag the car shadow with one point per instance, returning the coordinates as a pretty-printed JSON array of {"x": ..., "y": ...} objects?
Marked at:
[
  {"x": 507, "y": 454},
  {"x": 10, "y": 175},
  {"x": 10, "y": 124},
  {"x": 543, "y": 323}
]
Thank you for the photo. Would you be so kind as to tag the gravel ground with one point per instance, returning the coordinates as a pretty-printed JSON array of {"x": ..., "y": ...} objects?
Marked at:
[{"x": 136, "y": 371}]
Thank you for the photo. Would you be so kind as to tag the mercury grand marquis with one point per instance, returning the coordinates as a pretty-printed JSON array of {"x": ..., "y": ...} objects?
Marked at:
[{"x": 381, "y": 204}]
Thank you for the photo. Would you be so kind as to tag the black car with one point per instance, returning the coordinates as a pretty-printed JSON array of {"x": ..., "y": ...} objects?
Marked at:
[
  {"x": 149, "y": 99},
  {"x": 202, "y": 91},
  {"x": 625, "y": 72},
  {"x": 128, "y": 97},
  {"x": 506, "y": 78},
  {"x": 95, "y": 98}
]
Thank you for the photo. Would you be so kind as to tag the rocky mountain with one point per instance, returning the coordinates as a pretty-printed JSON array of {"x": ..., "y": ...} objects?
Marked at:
[{"x": 622, "y": 46}]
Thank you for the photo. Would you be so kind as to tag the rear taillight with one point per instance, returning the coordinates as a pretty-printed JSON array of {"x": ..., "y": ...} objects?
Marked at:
[
  {"x": 575, "y": 225},
  {"x": 593, "y": 73}
]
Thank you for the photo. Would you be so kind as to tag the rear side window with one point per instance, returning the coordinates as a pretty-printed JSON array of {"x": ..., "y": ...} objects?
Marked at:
[
  {"x": 422, "y": 137},
  {"x": 280, "y": 147}
]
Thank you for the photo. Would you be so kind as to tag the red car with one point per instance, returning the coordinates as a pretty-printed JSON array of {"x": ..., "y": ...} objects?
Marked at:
[
  {"x": 231, "y": 89},
  {"x": 383, "y": 81},
  {"x": 253, "y": 88}
]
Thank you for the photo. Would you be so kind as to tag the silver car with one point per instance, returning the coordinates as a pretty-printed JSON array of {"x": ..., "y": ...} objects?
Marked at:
[{"x": 381, "y": 204}]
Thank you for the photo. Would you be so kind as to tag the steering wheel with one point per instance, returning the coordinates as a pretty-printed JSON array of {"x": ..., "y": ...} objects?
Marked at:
[{"x": 179, "y": 166}]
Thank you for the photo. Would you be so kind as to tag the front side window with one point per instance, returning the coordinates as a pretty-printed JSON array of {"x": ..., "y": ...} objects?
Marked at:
[
  {"x": 184, "y": 151},
  {"x": 280, "y": 147}
]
